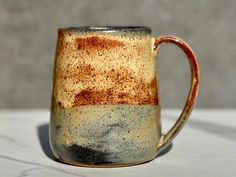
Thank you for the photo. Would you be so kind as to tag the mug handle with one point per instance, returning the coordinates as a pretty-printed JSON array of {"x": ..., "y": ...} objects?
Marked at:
[{"x": 195, "y": 76}]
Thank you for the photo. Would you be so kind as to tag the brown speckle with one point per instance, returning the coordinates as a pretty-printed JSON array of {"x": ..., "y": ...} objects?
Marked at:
[
  {"x": 153, "y": 83},
  {"x": 60, "y": 104}
]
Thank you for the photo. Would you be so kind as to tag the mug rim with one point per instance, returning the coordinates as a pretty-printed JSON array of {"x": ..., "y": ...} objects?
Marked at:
[{"x": 107, "y": 29}]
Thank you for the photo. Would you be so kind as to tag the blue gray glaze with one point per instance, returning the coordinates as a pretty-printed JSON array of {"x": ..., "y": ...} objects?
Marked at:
[{"x": 105, "y": 134}]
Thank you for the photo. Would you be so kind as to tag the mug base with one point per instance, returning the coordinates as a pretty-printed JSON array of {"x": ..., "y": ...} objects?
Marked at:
[{"x": 102, "y": 165}]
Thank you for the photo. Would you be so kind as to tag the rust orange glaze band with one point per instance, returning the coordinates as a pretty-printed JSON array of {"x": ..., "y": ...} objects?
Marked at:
[{"x": 103, "y": 69}]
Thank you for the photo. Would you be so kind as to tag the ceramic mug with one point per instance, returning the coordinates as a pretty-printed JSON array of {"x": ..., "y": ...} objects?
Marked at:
[{"x": 105, "y": 103}]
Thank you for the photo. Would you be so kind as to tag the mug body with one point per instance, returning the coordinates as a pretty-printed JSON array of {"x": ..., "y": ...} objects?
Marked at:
[{"x": 105, "y": 105}]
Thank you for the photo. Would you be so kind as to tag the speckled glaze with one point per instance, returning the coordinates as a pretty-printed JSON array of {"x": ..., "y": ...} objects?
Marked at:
[
  {"x": 104, "y": 67},
  {"x": 105, "y": 105},
  {"x": 104, "y": 134}
]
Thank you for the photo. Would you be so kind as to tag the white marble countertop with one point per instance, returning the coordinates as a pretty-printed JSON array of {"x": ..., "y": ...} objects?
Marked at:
[{"x": 206, "y": 147}]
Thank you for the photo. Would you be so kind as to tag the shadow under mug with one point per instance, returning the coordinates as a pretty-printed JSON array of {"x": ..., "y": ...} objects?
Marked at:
[{"x": 105, "y": 103}]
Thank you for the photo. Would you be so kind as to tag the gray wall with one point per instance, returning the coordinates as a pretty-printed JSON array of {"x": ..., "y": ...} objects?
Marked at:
[{"x": 28, "y": 30}]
